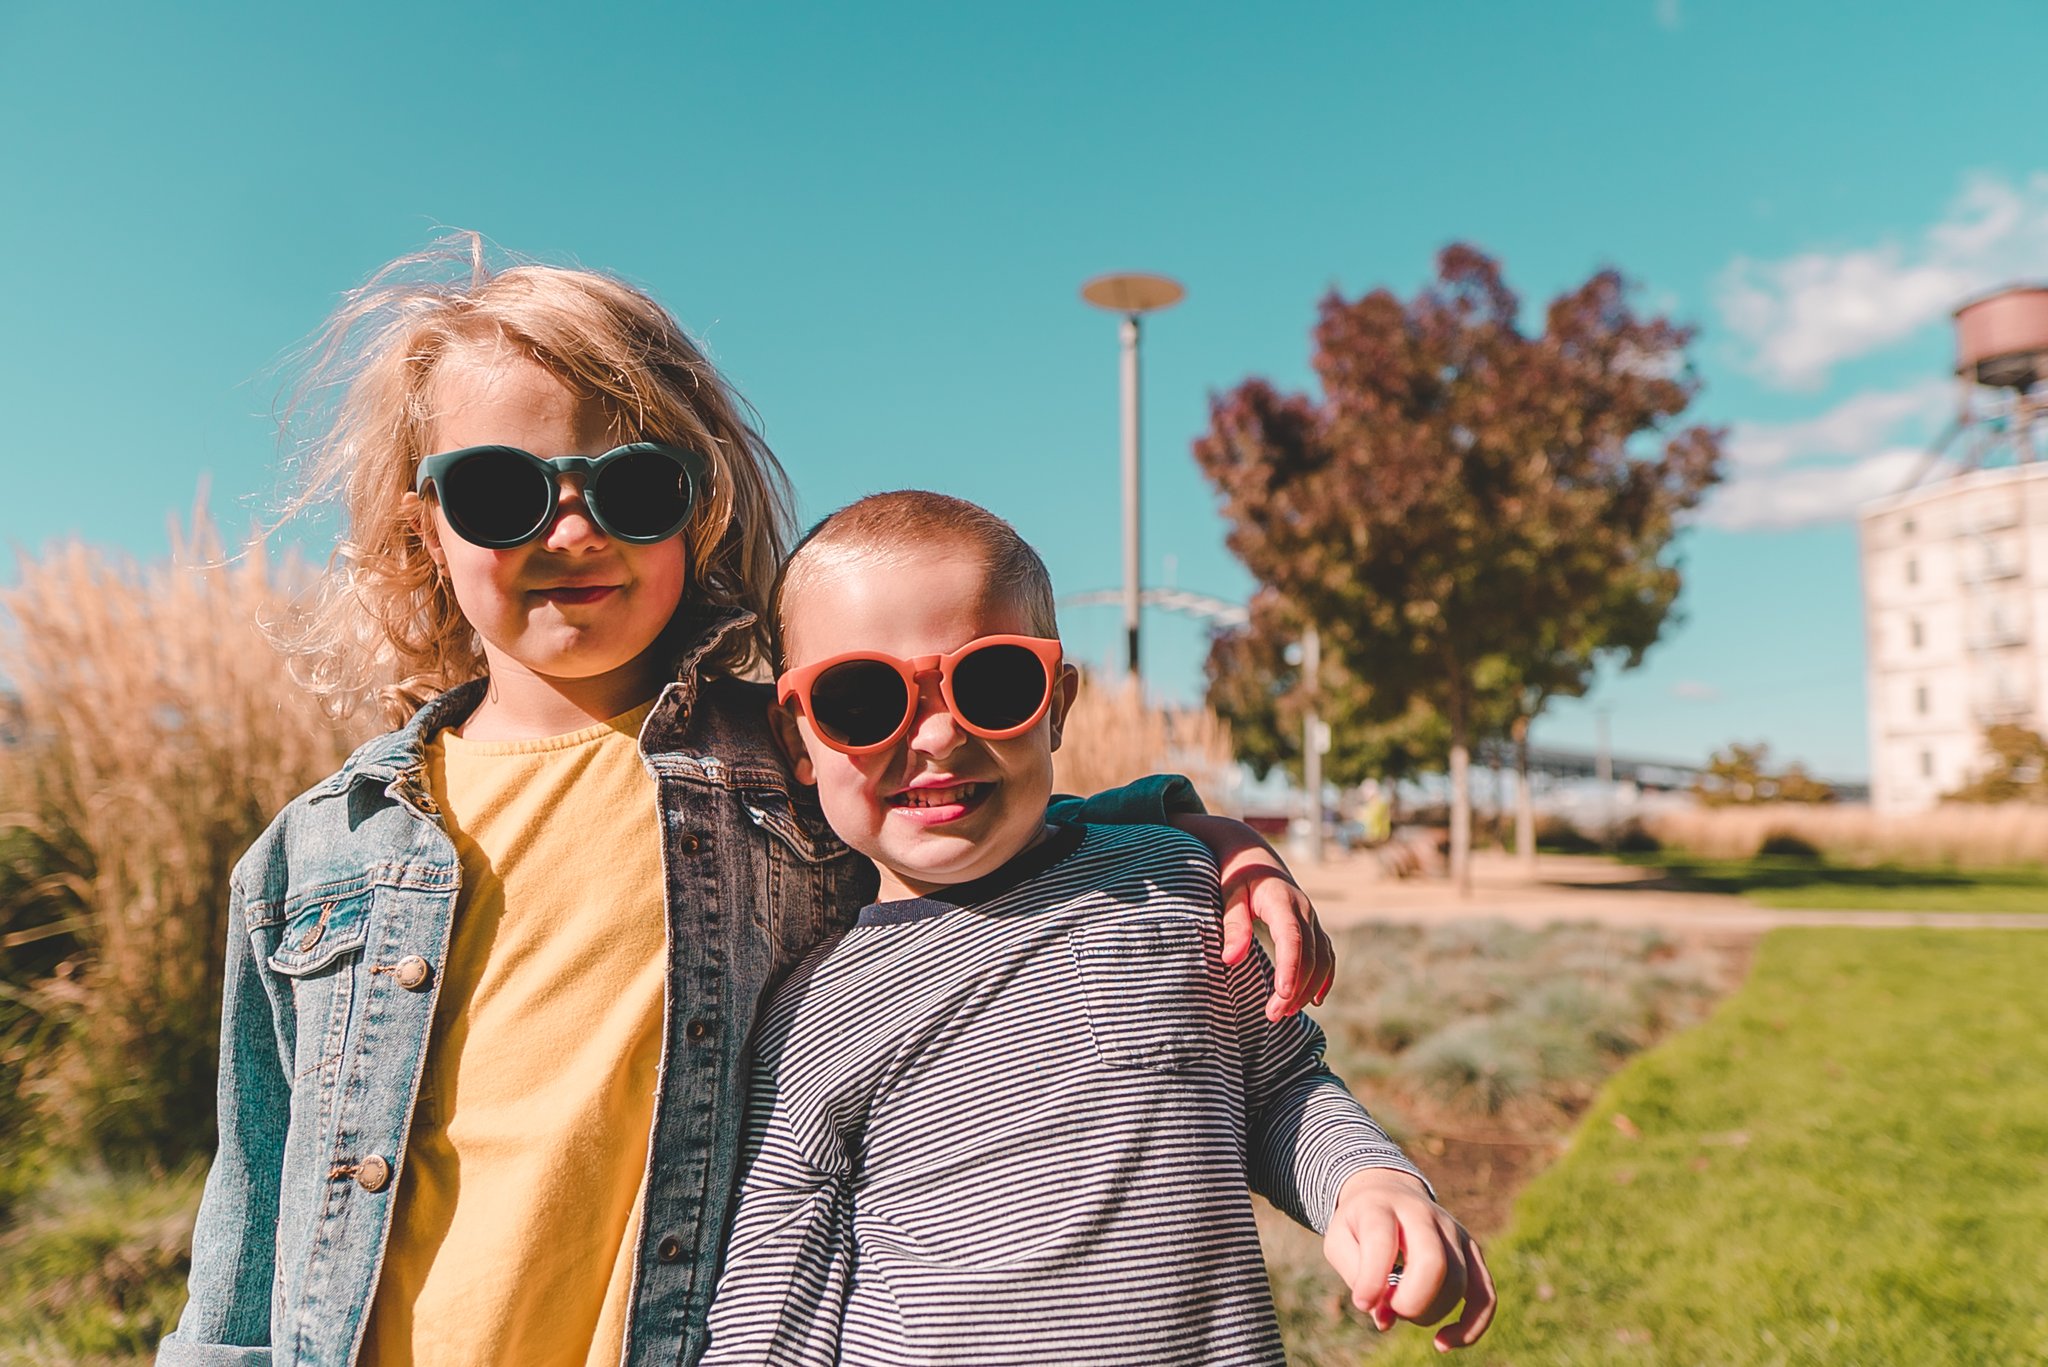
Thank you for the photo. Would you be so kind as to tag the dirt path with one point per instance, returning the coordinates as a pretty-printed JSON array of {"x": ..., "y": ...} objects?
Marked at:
[{"x": 1348, "y": 890}]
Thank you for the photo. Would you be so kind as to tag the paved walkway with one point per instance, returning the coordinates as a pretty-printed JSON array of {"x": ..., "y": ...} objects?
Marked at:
[{"x": 1348, "y": 890}]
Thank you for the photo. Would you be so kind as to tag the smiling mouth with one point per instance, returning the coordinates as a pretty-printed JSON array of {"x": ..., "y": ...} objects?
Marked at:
[
  {"x": 958, "y": 795},
  {"x": 577, "y": 593}
]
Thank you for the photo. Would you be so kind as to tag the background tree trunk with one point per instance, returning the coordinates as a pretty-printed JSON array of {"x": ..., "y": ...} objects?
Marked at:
[
  {"x": 1461, "y": 789},
  {"x": 1525, "y": 802}
]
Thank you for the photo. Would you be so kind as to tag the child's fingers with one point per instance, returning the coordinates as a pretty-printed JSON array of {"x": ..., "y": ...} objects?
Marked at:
[
  {"x": 1479, "y": 1303},
  {"x": 1371, "y": 1242},
  {"x": 1430, "y": 1282},
  {"x": 1237, "y": 925},
  {"x": 1273, "y": 903}
]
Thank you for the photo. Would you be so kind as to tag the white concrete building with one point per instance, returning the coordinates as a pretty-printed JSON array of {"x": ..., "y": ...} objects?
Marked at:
[{"x": 1955, "y": 594}]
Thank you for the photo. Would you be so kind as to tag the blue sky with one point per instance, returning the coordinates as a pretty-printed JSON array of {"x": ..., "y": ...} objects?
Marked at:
[{"x": 878, "y": 218}]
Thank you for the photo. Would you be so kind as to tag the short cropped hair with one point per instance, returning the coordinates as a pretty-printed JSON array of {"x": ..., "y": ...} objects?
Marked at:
[{"x": 882, "y": 527}]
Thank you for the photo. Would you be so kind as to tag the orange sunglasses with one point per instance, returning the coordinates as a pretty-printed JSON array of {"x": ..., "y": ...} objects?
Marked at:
[{"x": 996, "y": 687}]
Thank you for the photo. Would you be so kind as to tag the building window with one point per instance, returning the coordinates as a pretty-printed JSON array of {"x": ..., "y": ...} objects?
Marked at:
[
  {"x": 1927, "y": 764},
  {"x": 1919, "y": 637},
  {"x": 1912, "y": 570},
  {"x": 1920, "y": 699}
]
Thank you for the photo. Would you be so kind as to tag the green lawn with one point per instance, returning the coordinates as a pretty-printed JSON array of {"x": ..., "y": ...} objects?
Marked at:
[
  {"x": 1848, "y": 1163},
  {"x": 1812, "y": 883}
]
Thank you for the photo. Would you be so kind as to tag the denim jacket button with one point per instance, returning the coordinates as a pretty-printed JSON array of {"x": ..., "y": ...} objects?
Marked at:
[
  {"x": 698, "y": 1030},
  {"x": 670, "y": 1250},
  {"x": 690, "y": 844},
  {"x": 373, "y": 1173},
  {"x": 413, "y": 972}
]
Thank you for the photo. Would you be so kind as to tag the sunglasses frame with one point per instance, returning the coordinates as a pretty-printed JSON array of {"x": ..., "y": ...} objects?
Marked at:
[
  {"x": 434, "y": 471},
  {"x": 797, "y": 684}
]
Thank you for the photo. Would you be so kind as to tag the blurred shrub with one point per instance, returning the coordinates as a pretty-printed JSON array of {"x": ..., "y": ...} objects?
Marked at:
[
  {"x": 1497, "y": 1021},
  {"x": 1633, "y": 837},
  {"x": 1558, "y": 835},
  {"x": 1787, "y": 845},
  {"x": 154, "y": 733}
]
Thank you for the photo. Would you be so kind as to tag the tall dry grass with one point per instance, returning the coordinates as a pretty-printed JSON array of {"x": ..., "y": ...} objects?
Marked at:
[
  {"x": 155, "y": 732},
  {"x": 1115, "y": 734},
  {"x": 1959, "y": 835}
]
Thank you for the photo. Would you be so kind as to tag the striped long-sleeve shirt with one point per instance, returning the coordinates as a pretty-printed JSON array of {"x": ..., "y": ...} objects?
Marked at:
[{"x": 1015, "y": 1126}]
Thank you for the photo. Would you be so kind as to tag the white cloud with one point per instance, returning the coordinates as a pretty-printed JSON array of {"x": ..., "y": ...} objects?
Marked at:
[
  {"x": 1692, "y": 690},
  {"x": 1852, "y": 427},
  {"x": 1668, "y": 14},
  {"x": 1805, "y": 314},
  {"x": 1782, "y": 498}
]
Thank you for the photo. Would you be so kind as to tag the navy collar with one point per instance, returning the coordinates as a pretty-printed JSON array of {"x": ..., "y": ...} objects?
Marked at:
[{"x": 1020, "y": 868}]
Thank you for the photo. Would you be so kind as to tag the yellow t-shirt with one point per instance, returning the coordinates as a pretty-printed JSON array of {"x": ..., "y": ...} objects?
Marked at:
[{"x": 517, "y": 1212}]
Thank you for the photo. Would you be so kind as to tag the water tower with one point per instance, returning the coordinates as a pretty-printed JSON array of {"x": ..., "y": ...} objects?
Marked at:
[
  {"x": 2001, "y": 361},
  {"x": 1955, "y": 569}
]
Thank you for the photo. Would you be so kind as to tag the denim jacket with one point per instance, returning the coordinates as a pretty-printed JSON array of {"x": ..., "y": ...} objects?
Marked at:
[{"x": 337, "y": 919}]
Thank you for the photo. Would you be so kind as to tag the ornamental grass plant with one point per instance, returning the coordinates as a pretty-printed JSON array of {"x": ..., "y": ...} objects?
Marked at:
[
  {"x": 1967, "y": 836},
  {"x": 152, "y": 732},
  {"x": 1115, "y": 734}
]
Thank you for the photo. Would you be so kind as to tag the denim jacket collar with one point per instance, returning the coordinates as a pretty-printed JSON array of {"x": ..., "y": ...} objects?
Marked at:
[{"x": 396, "y": 756}]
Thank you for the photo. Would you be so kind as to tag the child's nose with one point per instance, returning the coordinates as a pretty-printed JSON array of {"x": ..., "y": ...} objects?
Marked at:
[
  {"x": 934, "y": 730},
  {"x": 573, "y": 526}
]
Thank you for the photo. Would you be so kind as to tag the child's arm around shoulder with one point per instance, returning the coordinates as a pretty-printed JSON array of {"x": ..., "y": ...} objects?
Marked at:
[
  {"x": 1256, "y": 883},
  {"x": 1317, "y": 1155}
]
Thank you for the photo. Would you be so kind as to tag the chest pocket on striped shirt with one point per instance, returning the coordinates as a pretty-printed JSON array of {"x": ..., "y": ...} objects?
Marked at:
[{"x": 1146, "y": 984}]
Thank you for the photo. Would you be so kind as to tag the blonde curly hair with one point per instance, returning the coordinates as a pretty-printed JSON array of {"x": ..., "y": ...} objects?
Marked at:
[{"x": 383, "y": 624}]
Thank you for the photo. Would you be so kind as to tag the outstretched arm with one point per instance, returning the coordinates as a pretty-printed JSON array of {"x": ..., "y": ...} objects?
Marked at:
[{"x": 1317, "y": 1155}]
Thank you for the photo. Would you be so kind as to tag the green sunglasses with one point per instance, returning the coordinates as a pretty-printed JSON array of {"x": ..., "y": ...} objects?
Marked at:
[{"x": 500, "y": 496}]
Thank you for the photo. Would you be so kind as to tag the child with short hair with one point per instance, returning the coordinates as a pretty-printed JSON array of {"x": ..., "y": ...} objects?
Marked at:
[
  {"x": 974, "y": 1135},
  {"x": 488, "y": 987}
]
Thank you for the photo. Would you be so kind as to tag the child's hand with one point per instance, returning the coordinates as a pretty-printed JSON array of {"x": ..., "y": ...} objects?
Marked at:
[
  {"x": 1256, "y": 885},
  {"x": 1384, "y": 1214}
]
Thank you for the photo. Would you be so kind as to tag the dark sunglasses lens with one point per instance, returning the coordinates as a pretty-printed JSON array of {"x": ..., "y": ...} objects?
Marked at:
[
  {"x": 644, "y": 494},
  {"x": 494, "y": 496},
  {"x": 998, "y": 687},
  {"x": 860, "y": 702}
]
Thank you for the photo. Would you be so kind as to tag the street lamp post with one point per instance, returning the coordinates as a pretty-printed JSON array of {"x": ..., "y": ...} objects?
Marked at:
[{"x": 1131, "y": 295}]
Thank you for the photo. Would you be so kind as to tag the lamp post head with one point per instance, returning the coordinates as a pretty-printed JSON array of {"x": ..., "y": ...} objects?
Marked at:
[{"x": 1131, "y": 293}]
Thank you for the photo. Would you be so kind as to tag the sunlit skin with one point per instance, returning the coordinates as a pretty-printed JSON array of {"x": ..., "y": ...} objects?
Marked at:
[
  {"x": 570, "y": 620},
  {"x": 940, "y": 806}
]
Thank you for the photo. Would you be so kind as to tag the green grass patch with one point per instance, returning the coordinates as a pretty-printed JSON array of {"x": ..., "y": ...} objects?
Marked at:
[
  {"x": 1798, "y": 884},
  {"x": 1848, "y": 1163},
  {"x": 92, "y": 1273}
]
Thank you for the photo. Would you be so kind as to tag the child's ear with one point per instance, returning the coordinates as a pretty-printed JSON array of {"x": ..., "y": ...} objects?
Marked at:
[
  {"x": 789, "y": 738},
  {"x": 423, "y": 523},
  {"x": 1063, "y": 700}
]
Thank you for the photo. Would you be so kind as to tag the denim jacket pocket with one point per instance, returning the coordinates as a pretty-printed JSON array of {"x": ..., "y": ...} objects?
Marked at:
[
  {"x": 809, "y": 839},
  {"x": 1145, "y": 980},
  {"x": 320, "y": 930},
  {"x": 319, "y": 948}
]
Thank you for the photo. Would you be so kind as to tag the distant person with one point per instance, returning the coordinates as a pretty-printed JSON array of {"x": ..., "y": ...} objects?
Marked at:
[
  {"x": 487, "y": 987},
  {"x": 975, "y": 1135}
]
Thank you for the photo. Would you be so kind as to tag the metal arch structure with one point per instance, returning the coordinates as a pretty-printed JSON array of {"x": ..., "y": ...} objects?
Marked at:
[{"x": 1217, "y": 612}]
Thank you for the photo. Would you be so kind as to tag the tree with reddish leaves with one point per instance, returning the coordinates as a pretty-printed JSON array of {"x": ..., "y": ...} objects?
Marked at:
[
  {"x": 1473, "y": 516},
  {"x": 1256, "y": 683}
]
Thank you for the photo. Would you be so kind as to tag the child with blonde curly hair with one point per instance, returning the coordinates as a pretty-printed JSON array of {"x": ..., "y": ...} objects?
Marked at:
[{"x": 488, "y": 987}]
